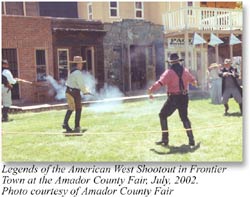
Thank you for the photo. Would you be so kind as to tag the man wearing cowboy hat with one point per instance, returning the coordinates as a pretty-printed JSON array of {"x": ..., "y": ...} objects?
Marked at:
[
  {"x": 230, "y": 86},
  {"x": 176, "y": 80},
  {"x": 75, "y": 84}
]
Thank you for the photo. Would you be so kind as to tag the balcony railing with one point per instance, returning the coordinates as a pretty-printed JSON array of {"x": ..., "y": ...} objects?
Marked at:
[{"x": 203, "y": 19}]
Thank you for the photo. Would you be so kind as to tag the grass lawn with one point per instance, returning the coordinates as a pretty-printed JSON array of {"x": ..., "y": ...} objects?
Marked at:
[{"x": 126, "y": 134}]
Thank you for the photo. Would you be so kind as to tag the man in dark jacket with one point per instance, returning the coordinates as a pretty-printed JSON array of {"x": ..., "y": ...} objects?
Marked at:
[{"x": 230, "y": 86}]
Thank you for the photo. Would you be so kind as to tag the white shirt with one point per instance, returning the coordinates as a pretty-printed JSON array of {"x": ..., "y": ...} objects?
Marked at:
[
  {"x": 75, "y": 80},
  {"x": 9, "y": 76}
]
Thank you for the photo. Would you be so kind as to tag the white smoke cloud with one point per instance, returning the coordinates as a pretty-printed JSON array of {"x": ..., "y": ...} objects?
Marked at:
[
  {"x": 104, "y": 96},
  {"x": 59, "y": 88}
]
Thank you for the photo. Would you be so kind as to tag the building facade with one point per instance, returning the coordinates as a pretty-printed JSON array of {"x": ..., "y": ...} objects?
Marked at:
[
  {"x": 133, "y": 54},
  {"x": 133, "y": 44},
  {"x": 40, "y": 46},
  {"x": 124, "y": 43},
  {"x": 181, "y": 20}
]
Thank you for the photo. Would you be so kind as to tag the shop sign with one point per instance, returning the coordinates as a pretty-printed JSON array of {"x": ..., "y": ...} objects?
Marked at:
[{"x": 175, "y": 42}]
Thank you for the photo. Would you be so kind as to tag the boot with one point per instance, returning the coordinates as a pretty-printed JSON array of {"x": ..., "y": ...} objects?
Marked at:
[
  {"x": 66, "y": 120},
  {"x": 187, "y": 126},
  {"x": 190, "y": 138},
  {"x": 226, "y": 108},
  {"x": 164, "y": 139},
  {"x": 241, "y": 108},
  {"x": 164, "y": 128},
  {"x": 5, "y": 111},
  {"x": 77, "y": 121}
]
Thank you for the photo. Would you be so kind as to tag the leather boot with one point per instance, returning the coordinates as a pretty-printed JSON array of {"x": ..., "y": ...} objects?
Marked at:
[
  {"x": 66, "y": 120},
  {"x": 187, "y": 126},
  {"x": 164, "y": 128},
  {"x": 164, "y": 139},
  {"x": 77, "y": 120},
  {"x": 190, "y": 138},
  {"x": 5, "y": 111},
  {"x": 226, "y": 108},
  {"x": 241, "y": 108}
]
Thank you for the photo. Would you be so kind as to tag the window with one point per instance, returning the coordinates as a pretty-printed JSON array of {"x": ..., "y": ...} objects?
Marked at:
[
  {"x": 41, "y": 65},
  {"x": 190, "y": 5},
  {"x": 63, "y": 63},
  {"x": 139, "y": 10},
  {"x": 14, "y": 8},
  {"x": 113, "y": 7},
  {"x": 90, "y": 11}
]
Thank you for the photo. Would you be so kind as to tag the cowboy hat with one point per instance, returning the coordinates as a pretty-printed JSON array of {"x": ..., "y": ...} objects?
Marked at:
[
  {"x": 5, "y": 62},
  {"x": 227, "y": 61},
  {"x": 174, "y": 58},
  {"x": 214, "y": 65},
  {"x": 77, "y": 60}
]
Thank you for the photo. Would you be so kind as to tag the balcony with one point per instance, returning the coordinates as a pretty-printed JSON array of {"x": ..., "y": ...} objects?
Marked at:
[{"x": 200, "y": 18}]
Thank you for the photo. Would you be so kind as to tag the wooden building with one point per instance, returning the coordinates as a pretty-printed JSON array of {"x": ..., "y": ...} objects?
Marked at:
[
  {"x": 124, "y": 43},
  {"x": 38, "y": 46}
]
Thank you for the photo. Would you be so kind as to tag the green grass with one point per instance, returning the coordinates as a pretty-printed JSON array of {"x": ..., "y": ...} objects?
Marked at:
[{"x": 127, "y": 134}]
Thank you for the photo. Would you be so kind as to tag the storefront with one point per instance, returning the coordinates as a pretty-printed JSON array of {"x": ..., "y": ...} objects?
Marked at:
[{"x": 197, "y": 57}]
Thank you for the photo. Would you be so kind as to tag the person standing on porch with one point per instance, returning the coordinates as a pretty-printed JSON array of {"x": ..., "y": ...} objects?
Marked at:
[
  {"x": 7, "y": 84},
  {"x": 230, "y": 86},
  {"x": 215, "y": 83},
  {"x": 75, "y": 85},
  {"x": 176, "y": 79}
]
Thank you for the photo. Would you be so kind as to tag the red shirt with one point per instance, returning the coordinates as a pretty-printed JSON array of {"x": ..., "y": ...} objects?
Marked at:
[{"x": 170, "y": 79}]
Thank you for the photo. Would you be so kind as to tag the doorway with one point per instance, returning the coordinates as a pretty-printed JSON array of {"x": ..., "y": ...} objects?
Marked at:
[
  {"x": 142, "y": 66},
  {"x": 87, "y": 53}
]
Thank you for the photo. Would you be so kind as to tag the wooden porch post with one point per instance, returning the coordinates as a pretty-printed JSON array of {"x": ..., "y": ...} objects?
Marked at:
[
  {"x": 186, "y": 48},
  {"x": 231, "y": 51},
  {"x": 217, "y": 54},
  {"x": 129, "y": 68}
]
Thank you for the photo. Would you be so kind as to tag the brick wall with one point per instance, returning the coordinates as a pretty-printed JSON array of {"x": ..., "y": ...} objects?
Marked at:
[{"x": 27, "y": 34}]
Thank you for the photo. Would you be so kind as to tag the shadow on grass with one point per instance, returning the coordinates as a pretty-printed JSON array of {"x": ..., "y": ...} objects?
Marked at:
[
  {"x": 183, "y": 149},
  {"x": 233, "y": 114},
  {"x": 73, "y": 134}
]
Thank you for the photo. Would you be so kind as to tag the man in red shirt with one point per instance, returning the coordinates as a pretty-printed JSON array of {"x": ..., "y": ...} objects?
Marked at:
[{"x": 176, "y": 79}]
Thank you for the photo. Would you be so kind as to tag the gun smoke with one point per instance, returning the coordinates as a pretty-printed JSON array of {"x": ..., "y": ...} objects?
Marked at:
[{"x": 105, "y": 96}]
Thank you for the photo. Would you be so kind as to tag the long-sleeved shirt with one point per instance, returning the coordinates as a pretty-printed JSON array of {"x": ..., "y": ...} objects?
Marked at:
[
  {"x": 75, "y": 80},
  {"x": 171, "y": 80},
  {"x": 9, "y": 76}
]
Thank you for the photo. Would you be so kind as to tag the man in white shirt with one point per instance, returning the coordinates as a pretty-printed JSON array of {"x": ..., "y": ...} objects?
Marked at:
[
  {"x": 7, "y": 83},
  {"x": 75, "y": 85}
]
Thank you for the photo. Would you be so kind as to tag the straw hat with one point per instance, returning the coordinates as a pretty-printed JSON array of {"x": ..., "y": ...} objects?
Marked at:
[
  {"x": 213, "y": 65},
  {"x": 77, "y": 60},
  {"x": 5, "y": 62},
  {"x": 174, "y": 58},
  {"x": 227, "y": 61}
]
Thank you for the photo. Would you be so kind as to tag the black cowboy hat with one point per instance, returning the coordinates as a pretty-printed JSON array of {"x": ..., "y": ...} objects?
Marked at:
[{"x": 174, "y": 58}]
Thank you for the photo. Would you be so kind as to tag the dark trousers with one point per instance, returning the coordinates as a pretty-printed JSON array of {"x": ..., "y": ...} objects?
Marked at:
[
  {"x": 74, "y": 103},
  {"x": 174, "y": 102}
]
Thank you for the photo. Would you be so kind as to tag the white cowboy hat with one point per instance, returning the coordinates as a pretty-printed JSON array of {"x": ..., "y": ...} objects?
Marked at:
[{"x": 77, "y": 60}]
